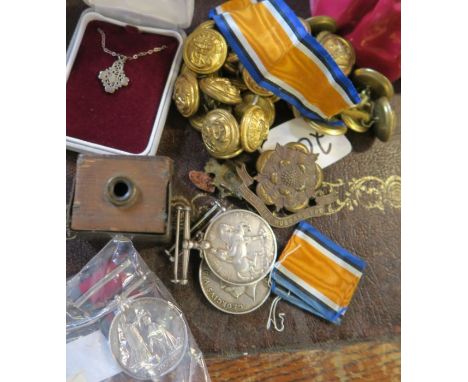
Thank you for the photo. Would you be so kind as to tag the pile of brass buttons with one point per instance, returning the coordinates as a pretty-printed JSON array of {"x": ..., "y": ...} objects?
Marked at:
[
  {"x": 234, "y": 113},
  {"x": 220, "y": 98},
  {"x": 374, "y": 111}
]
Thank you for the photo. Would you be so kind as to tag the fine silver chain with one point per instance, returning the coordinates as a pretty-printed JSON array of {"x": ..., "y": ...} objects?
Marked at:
[{"x": 124, "y": 57}]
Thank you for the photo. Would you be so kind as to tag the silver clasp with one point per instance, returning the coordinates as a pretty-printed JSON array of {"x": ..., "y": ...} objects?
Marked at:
[{"x": 187, "y": 243}]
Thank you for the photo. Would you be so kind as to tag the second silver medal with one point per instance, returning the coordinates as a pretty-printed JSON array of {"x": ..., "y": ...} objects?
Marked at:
[{"x": 233, "y": 299}]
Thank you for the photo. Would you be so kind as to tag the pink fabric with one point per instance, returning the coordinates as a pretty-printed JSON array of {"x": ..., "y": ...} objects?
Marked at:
[{"x": 373, "y": 27}]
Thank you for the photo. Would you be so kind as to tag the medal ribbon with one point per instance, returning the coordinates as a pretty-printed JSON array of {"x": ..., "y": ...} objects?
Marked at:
[
  {"x": 316, "y": 274},
  {"x": 284, "y": 58}
]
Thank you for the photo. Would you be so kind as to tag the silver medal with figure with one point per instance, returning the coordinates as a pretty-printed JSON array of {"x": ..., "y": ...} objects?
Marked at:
[
  {"x": 148, "y": 338},
  {"x": 233, "y": 299},
  {"x": 242, "y": 247}
]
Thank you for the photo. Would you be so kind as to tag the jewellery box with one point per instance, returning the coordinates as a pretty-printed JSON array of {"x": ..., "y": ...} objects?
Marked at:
[{"x": 129, "y": 121}]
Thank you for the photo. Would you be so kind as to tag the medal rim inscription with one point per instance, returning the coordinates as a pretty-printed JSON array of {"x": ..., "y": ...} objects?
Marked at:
[
  {"x": 115, "y": 322},
  {"x": 205, "y": 293},
  {"x": 270, "y": 230}
]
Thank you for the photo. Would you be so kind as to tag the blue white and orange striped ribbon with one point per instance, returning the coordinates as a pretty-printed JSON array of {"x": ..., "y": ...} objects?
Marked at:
[
  {"x": 284, "y": 58},
  {"x": 316, "y": 274}
]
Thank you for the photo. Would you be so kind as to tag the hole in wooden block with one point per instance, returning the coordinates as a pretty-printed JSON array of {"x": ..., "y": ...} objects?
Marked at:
[{"x": 120, "y": 191}]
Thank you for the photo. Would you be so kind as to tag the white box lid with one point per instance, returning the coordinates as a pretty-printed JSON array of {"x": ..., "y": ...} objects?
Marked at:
[{"x": 162, "y": 13}]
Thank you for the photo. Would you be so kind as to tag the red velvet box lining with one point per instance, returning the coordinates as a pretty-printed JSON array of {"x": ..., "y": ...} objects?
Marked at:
[{"x": 122, "y": 120}]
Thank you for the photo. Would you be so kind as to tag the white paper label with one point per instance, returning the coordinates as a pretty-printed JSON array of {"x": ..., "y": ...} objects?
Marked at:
[
  {"x": 330, "y": 148},
  {"x": 89, "y": 359}
]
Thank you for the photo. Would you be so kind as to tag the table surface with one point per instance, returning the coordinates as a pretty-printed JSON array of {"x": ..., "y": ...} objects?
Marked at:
[{"x": 367, "y": 223}]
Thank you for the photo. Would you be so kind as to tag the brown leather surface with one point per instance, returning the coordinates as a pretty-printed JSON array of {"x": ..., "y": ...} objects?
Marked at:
[{"x": 370, "y": 232}]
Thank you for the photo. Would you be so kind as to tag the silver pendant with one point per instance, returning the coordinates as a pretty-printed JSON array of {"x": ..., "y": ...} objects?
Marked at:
[{"x": 113, "y": 78}]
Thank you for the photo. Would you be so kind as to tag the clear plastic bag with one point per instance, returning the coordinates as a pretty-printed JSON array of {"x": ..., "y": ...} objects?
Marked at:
[{"x": 122, "y": 319}]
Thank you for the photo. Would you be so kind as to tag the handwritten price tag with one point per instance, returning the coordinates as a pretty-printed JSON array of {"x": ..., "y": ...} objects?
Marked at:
[{"x": 330, "y": 148}]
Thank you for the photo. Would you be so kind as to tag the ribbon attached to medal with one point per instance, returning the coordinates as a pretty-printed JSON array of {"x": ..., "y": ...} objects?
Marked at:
[
  {"x": 316, "y": 274},
  {"x": 284, "y": 58}
]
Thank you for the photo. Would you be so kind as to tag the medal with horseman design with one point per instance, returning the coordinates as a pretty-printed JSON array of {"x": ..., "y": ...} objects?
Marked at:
[{"x": 242, "y": 247}]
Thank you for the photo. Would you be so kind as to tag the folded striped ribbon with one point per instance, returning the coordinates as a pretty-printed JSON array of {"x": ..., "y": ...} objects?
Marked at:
[
  {"x": 316, "y": 274},
  {"x": 284, "y": 58}
]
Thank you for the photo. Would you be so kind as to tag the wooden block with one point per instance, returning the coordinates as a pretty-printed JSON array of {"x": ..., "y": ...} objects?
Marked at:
[{"x": 128, "y": 194}]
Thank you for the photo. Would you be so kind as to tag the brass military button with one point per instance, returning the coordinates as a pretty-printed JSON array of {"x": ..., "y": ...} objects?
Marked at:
[
  {"x": 321, "y": 23},
  {"x": 296, "y": 112},
  {"x": 220, "y": 133},
  {"x": 265, "y": 103},
  {"x": 322, "y": 35},
  {"x": 239, "y": 84},
  {"x": 226, "y": 107},
  {"x": 231, "y": 154},
  {"x": 196, "y": 121},
  {"x": 384, "y": 119},
  {"x": 298, "y": 146},
  {"x": 208, "y": 24},
  {"x": 253, "y": 86},
  {"x": 209, "y": 103},
  {"x": 359, "y": 117},
  {"x": 253, "y": 128},
  {"x": 354, "y": 124},
  {"x": 305, "y": 24},
  {"x": 185, "y": 69},
  {"x": 186, "y": 94},
  {"x": 325, "y": 129},
  {"x": 379, "y": 85},
  {"x": 341, "y": 51},
  {"x": 274, "y": 98},
  {"x": 221, "y": 89},
  {"x": 232, "y": 63},
  {"x": 209, "y": 75},
  {"x": 205, "y": 51}
]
